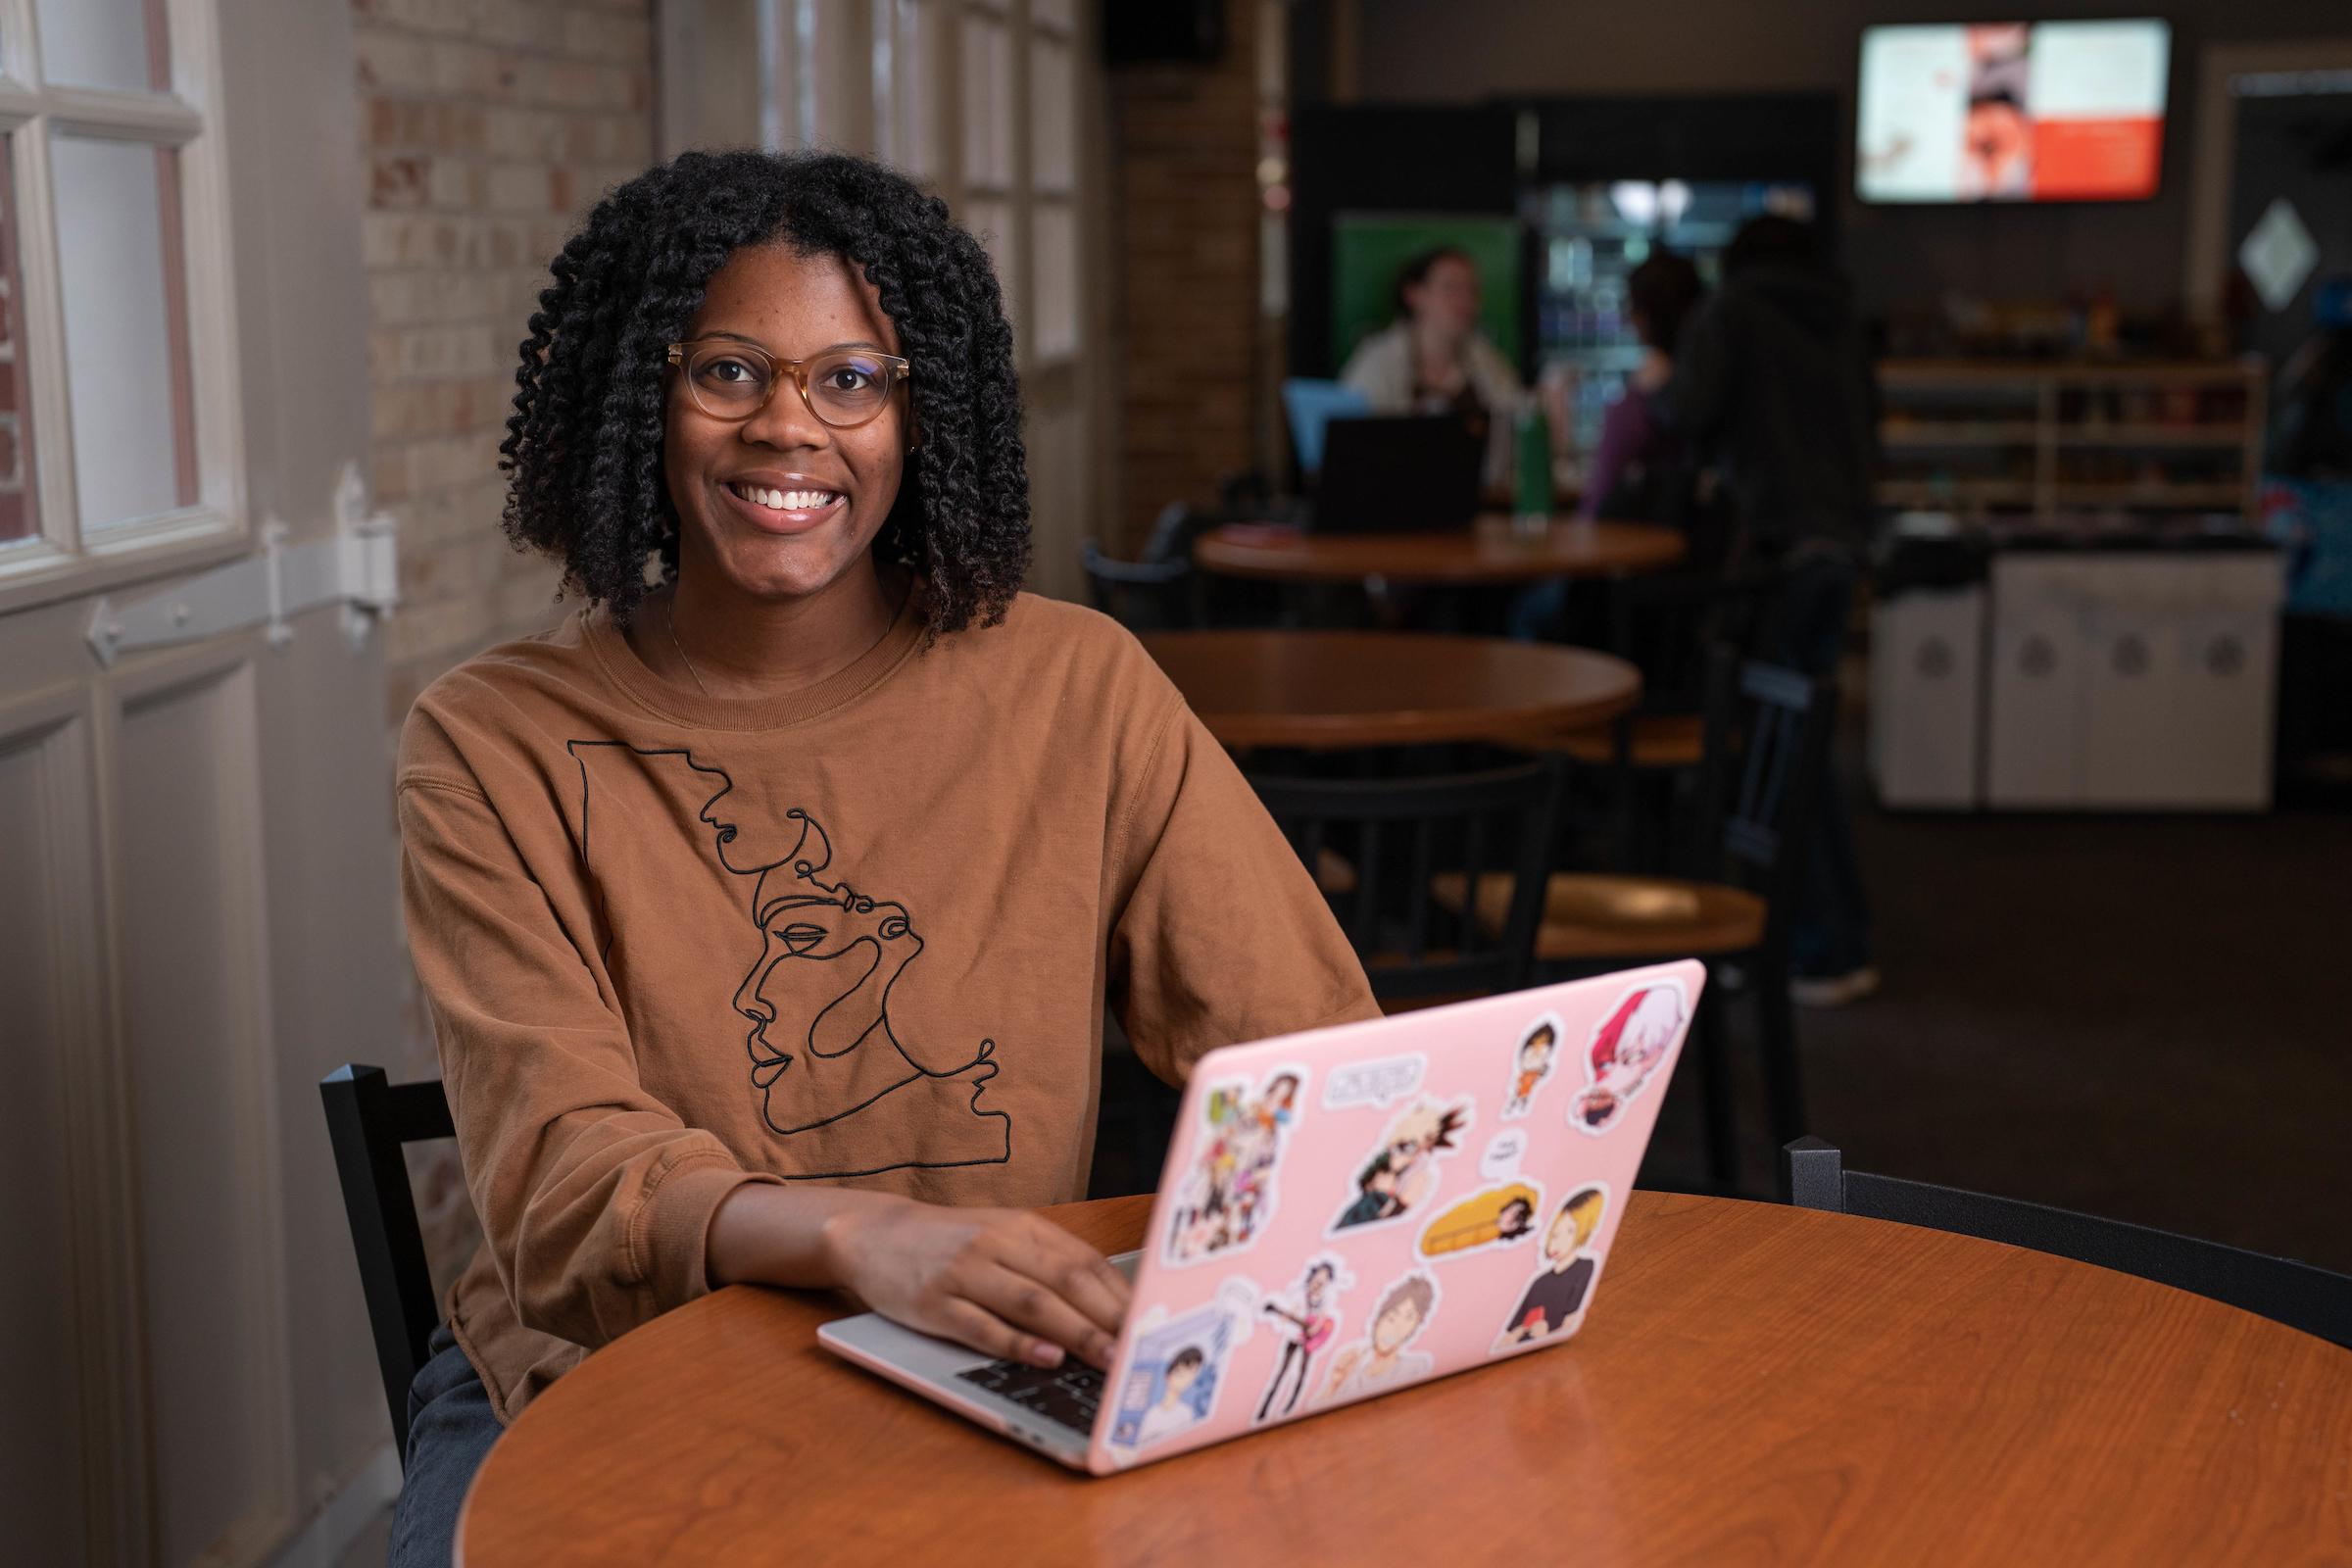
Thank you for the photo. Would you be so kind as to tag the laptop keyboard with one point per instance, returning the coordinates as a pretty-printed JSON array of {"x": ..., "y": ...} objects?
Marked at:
[{"x": 1068, "y": 1394}]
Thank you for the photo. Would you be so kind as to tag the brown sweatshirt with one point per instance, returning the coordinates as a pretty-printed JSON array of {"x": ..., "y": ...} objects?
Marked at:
[{"x": 858, "y": 933}]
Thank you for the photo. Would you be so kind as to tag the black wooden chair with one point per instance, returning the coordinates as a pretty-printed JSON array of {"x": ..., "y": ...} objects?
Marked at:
[
  {"x": 1142, "y": 595},
  {"x": 1381, "y": 848},
  {"x": 1767, "y": 741},
  {"x": 1668, "y": 627},
  {"x": 1813, "y": 1175},
  {"x": 369, "y": 1119}
]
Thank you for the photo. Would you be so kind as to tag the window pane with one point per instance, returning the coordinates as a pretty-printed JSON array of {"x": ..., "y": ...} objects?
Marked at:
[
  {"x": 105, "y": 43},
  {"x": 915, "y": 88},
  {"x": 1054, "y": 227},
  {"x": 17, "y": 518},
  {"x": 127, "y": 345},
  {"x": 990, "y": 219},
  {"x": 722, "y": 96},
  {"x": 987, "y": 103},
  {"x": 1053, "y": 123}
]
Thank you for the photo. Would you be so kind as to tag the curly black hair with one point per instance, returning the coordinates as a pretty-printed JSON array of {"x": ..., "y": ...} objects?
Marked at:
[{"x": 583, "y": 447}]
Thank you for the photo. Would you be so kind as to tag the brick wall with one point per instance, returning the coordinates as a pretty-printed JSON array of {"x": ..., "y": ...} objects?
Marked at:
[
  {"x": 490, "y": 127},
  {"x": 1184, "y": 181},
  {"x": 491, "y": 124}
]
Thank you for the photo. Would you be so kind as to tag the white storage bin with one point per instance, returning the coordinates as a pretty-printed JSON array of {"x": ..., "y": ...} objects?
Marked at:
[
  {"x": 1927, "y": 693},
  {"x": 2034, "y": 710},
  {"x": 2133, "y": 681}
]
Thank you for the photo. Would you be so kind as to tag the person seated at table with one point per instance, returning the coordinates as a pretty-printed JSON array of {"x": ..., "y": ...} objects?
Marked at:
[
  {"x": 1638, "y": 472},
  {"x": 767, "y": 910},
  {"x": 1432, "y": 358}
]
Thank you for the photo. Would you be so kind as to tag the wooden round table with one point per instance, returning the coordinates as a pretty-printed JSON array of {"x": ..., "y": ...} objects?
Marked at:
[
  {"x": 1486, "y": 554},
  {"x": 1332, "y": 689},
  {"x": 1755, "y": 1384}
]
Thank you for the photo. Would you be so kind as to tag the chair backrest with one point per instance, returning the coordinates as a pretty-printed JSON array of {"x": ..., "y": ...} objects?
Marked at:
[
  {"x": 1380, "y": 850},
  {"x": 1813, "y": 1175},
  {"x": 369, "y": 1119},
  {"x": 1768, "y": 732},
  {"x": 1668, "y": 626},
  {"x": 1179, "y": 525},
  {"x": 1141, "y": 595}
]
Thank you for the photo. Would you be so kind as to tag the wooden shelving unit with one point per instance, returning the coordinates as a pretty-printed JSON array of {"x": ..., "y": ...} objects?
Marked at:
[{"x": 1978, "y": 435}]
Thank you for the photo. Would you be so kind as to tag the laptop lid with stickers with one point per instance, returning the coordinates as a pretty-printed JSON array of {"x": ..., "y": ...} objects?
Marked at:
[{"x": 1354, "y": 1211}]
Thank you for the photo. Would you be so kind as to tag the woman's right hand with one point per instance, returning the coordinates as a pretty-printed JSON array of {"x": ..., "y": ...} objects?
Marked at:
[{"x": 1004, "y": 1281}]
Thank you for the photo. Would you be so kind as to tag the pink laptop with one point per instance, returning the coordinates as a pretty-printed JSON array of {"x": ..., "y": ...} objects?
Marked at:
[{"x": 1347, "y": 1212}]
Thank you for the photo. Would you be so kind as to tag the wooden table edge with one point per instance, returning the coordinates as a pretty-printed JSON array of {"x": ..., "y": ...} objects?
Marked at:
[
  {"x": 1118, "y": 1224},
  {"x": 1291, "y": 560}
]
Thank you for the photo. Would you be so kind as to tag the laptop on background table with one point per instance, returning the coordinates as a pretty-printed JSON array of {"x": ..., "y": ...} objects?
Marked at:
[
  {"x": 1398, "y": 474},
  {"x": 1347, "y": 1212}
]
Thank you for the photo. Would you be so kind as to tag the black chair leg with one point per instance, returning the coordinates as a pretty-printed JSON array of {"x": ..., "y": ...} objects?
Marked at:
[
  {"x": 1723, "y": 1116},
  {"x": 1622, "y": 804},
  {"x": 1783, "y": 1083}
]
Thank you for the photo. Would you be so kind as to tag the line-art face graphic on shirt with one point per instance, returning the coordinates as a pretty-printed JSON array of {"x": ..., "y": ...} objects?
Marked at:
[{"x": 835, "y": 1075}]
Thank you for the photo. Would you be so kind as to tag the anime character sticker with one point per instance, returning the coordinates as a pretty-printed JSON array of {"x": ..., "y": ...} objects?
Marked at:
[
  {"x": 1532, "y": 1063},
  {"x": 1556, "y": 1294},
  {"x": 1380, "y": 1360},
  {"x": 1172, "y": 1379},
  {"x": 1227, "y": 1195},
  {"x": 1306, "y": 1319},
  {"x": 1627, "y": 1048},
  {"x": 1493, "y": 1217},
  {"x": 1402, "y": 1171}
]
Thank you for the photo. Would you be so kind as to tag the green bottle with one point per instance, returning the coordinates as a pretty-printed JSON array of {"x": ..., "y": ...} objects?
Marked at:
[{"x": 1530, "y": 511}]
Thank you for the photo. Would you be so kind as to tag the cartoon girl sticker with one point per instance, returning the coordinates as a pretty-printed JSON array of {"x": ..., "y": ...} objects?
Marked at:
[
  {"x": 1556, "y": 1294},
  {"x": 1533, "y": 1061},
  {"x": 1380, "y": 1361},
  {"x": 1228, "y": 1194},
  {"x": 1307, "y": 1322},
  {"x": 1626, "y": 1049},
  {"x": 1402, "y": 1171}
]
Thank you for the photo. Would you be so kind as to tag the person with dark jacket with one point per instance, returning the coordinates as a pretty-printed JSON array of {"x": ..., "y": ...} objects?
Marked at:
[
  {"x": 1774, "y": 383},
  {"x": 1774, "y": 386}
]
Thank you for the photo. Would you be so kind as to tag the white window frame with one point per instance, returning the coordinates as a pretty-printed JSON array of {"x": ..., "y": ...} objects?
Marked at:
[
  {"x": 865, "y": 74},
  {"x": 59, "y": 562}
]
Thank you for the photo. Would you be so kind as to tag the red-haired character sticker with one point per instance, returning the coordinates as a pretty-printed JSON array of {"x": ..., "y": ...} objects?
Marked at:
[{"x": 1626, "y": 1050}]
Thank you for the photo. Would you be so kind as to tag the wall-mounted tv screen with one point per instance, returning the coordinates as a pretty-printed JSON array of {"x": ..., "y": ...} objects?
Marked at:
[{"x": 2012, "y": 112}]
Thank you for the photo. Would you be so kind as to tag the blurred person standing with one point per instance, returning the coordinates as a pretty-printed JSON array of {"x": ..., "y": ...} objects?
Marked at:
[
  {"x": 1434, "y": 360},
  {"x": 1639, "y": 470},
  {"x": 1774, "y": 386}
]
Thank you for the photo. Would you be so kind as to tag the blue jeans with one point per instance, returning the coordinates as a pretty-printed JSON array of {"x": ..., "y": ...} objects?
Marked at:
[
  {"x": 1831, "y": 932},
  {"x": 451, "y": 1427}
]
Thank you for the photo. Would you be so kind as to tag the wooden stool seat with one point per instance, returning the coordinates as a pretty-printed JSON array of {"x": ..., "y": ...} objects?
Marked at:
[
  {"x": 1592, "y": 916},
  {"x": 1658, "y": 741}
]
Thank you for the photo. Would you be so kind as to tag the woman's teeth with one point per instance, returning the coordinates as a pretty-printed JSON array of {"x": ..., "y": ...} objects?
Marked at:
[{"x": 784, "y": 500}]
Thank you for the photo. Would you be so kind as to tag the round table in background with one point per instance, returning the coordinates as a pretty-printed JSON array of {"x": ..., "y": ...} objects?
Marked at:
[
  {"x": 1335, "y": 689},
  {"x": 1755, "y": 1383},
  {"x": 1486, "y": 554}
]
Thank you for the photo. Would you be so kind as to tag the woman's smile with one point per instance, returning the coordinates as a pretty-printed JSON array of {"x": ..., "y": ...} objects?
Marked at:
[{"x": 784, "y": 503}]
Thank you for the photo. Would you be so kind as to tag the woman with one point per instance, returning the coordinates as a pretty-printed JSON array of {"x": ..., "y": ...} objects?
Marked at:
[
  {"x": 958, "y": 820},
  {"x": 1434, "y": 360},
  {"x": 1638, "y": 472},
  {"x": 1636, "y": 469}
]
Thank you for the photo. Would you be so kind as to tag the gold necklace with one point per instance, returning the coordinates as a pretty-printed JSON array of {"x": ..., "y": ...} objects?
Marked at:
[{"x": 670, "y": 619}]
